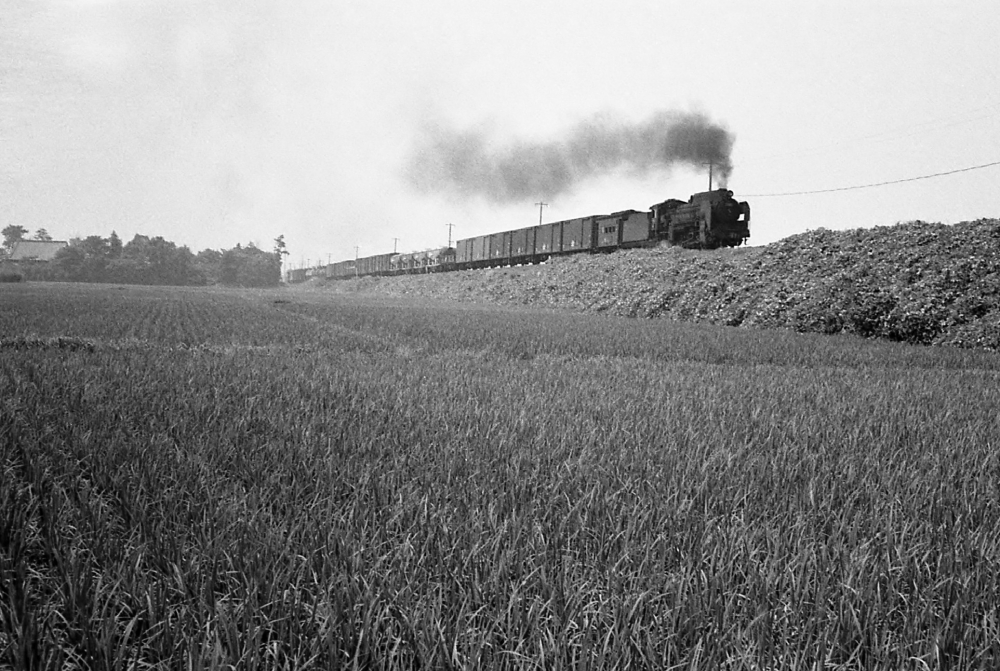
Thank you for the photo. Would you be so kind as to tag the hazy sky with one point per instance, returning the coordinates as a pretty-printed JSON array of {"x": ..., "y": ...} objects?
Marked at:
[{"x": 213, "y": 123}]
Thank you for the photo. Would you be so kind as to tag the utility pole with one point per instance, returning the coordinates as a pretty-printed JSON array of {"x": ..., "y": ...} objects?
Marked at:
[
  {"x": 450, "y": 226},
  {"x": 356, "y": 251},
  {"x": 540, "y": 206},
  {"x": 394, "y": 242},
  {"x": 710, "y": 166}
]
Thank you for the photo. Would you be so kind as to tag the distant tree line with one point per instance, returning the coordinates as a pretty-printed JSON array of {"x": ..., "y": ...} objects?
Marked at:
[{"x": 154, "y": 260}]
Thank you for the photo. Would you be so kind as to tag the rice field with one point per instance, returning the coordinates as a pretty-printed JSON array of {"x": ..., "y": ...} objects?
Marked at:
[{"x": 290, "y": 479}]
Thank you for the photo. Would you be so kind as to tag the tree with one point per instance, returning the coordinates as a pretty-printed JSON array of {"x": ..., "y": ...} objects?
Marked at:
[
  {"x": 279, "y": 246},
  {"x": 12, "y": 234},
  {"x": 279, "y": 249},
  {"x": 69, "y": 263},
  {"x": 42, "y": 234},
  {"x": 209, "y": 264},
  {"x": 95, "y": 250},
  {"x": 144, "y": 260},
  {"x": 114, "y": 246},
  {"x": 158, "y": 261},
  {"x": 250, "y": 267}
]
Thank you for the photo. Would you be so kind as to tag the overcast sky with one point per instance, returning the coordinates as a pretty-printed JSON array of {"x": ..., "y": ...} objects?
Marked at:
[{"x": 212, "y": 123}]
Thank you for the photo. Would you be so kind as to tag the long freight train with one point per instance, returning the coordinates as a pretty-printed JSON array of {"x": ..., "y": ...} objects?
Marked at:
[{"x": 708, "y": 220}]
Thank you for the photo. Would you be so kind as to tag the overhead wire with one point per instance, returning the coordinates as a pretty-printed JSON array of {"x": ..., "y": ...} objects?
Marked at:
[
  {"x": 906, "y": 131},
  {"x": 872, "y": 185},
  {"x": 928, "y": 126}
]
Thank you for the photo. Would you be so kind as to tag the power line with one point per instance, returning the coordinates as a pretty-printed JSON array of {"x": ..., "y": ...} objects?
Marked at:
[
  {"x": 869, "y": 186},
  {"x": 893, "y": 133}
]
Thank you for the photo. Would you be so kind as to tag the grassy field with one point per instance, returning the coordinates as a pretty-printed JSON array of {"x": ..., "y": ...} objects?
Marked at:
[{"x": 210, "y": 479}]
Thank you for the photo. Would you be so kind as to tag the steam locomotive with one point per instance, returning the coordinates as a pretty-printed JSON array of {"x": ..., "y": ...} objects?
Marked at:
[{"x": 708, "y": 220}]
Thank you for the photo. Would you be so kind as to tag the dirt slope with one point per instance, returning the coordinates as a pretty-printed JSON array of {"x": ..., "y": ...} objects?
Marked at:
[{"x": 915, "y": 282}]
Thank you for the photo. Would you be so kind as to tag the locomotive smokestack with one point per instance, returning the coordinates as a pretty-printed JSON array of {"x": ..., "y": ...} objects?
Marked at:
[{"x": 469, "y": 164}]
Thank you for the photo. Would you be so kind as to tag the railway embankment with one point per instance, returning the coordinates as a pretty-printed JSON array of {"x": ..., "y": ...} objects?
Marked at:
[{"x": 916, "y": 282}]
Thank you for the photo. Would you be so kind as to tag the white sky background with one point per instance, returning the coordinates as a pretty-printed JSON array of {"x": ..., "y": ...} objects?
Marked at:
[{"x": 212, "y": 123}]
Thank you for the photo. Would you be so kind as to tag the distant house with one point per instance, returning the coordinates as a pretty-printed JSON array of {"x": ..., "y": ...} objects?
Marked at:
[{"x": 36, "y": 250}]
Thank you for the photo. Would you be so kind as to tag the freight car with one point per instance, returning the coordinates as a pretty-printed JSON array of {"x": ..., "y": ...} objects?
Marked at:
[
  {"x": 708, "y": 220},
  {"x": 294, "y": 275},
  {"x": 429, "y": 261}
]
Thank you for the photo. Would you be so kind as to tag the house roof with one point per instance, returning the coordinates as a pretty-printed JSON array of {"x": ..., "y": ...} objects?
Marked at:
[{"x": 36, "y": 250}]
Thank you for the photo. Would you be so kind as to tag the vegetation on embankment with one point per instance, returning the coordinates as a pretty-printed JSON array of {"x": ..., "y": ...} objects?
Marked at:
[{"x": 916, "y": 282}]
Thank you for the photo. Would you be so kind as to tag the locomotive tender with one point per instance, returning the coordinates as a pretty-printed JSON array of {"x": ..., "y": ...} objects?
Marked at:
[{"x": 708, "y": 220}]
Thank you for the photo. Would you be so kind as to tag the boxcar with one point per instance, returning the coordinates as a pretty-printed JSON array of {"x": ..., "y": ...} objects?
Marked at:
[
  {"x": 463, "y": 252},
  {"x": 548, "y": 240},
  {"x": 499, "y": 248},
  {"x": 522, "y": 244},
  {"x": 481, "y": 249},
  {"x": 578, "y": 234}
]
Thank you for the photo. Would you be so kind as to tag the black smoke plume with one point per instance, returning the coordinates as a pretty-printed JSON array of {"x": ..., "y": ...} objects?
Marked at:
[{"x": 467, "y": 163}]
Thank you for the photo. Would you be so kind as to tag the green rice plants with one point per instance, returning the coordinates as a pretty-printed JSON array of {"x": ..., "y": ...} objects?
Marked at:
[{"x": 345, "y": 482}]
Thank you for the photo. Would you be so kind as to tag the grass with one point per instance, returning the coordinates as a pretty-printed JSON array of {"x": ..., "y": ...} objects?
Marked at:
[{"x": 233, "y": 479}]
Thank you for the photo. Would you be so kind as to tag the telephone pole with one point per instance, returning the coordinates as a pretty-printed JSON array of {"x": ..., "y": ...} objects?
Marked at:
[
  {"x": 450, "y": 226},
  {"x": 540, "y": 206}
]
